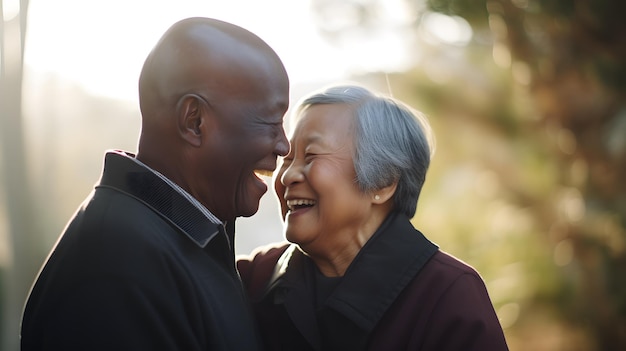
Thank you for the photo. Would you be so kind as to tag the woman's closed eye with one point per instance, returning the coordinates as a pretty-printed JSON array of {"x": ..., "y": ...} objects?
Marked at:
[{"x": 309, "y": 156}]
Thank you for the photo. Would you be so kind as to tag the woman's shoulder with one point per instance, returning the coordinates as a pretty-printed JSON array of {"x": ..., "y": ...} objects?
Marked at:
[
  {"x": 447, "y": 261},
  {"x": 444, "y": 269},
  {"x": 262, "y": 254},
  {"x": 257, "y": 268}
]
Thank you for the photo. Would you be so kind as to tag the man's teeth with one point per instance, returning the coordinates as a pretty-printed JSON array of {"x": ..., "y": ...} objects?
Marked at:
[
  {"x": 299, "y": 202},
  {"x": 263, "y": 172}
]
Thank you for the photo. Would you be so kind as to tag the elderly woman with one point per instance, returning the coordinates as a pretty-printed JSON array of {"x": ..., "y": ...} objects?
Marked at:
[{"x": 356, "y": 274}]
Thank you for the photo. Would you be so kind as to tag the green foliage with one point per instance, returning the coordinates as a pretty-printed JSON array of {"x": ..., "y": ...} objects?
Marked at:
[
  {"x": 467, "y": 8},
  {"x": 564, "y": 175}
]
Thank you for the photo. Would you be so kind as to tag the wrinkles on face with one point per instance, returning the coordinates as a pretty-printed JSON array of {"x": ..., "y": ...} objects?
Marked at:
[{"x": 328, "y": 211}]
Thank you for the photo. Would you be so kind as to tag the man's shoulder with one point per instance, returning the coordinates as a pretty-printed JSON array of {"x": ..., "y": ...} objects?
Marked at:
[
  {"x": 114, "y": 228},
  {"x": 115, "y": 214}
]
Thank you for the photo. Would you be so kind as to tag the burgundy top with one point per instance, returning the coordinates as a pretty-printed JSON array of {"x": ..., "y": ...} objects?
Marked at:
[{"x": 400, "y": 293}]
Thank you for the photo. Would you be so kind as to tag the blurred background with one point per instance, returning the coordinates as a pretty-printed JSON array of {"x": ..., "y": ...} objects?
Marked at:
[{"x": 526, "y": 99}]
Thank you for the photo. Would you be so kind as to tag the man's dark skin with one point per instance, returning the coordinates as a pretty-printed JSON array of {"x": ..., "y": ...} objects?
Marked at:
[
  {"x": 212, "y": 99},
  {"x": 144, "y": 265}
]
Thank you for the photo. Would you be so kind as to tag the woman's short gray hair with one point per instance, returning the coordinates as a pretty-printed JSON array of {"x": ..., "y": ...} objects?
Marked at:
[{"x": 392, "y": 141}]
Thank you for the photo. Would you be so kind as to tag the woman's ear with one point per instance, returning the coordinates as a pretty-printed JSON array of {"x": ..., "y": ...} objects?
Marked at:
[
  {"x": 191, "y": 114},
  {"x": 381, "y": 195}
]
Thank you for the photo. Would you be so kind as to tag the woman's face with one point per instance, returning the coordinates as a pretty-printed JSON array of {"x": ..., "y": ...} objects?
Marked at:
[{"x": 321, "y": 203}]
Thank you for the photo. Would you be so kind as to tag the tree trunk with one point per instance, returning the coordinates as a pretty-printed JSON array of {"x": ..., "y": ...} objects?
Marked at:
[{"x": 21, "y": 269}]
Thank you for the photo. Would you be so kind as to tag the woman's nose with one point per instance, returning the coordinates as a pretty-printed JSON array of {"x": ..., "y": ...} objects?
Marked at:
[{"x": 292, "y": 174}]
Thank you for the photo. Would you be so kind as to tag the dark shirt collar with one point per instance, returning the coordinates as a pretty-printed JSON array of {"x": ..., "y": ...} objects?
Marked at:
[{"x": 123, "y": 174}]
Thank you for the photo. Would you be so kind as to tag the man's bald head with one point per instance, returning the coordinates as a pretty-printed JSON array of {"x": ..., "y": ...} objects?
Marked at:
[{"x": 199, "y": 54}]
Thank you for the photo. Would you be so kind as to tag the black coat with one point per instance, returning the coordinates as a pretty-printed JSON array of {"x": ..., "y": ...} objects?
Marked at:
[
  {"x": 399, "y": 293},
  {"x": 138, "y": 268}
]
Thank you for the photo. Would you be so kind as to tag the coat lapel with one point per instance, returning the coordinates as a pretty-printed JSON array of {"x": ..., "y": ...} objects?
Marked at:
[
  {"x": 292, "y": 285},
  {"x": 383, "y": 268}
]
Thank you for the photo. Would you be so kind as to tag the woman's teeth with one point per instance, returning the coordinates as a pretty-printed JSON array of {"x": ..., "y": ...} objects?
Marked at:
[{"x": 297, "y": 203}]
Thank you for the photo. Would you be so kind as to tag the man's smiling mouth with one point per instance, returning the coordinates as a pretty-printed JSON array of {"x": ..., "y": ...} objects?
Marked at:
[{"x": 263, "y": 172}]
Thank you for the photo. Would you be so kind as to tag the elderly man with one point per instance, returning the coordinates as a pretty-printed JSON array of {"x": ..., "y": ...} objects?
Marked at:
[{"x": 147, "y": 262}]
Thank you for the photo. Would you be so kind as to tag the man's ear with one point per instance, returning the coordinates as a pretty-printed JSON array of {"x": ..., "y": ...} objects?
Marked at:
[
  {"x": 381, "y": 195},
  {"x": 191, "y": 113}
]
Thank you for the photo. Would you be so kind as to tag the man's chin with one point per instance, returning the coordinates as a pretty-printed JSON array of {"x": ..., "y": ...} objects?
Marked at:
[
  {"x": 249, "y": 211},
  {"x": 250, "y": 205},
  {"x": 250, "y": 197}
]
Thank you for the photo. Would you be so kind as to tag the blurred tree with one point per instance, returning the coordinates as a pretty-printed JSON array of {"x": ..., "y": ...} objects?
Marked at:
[
  {"x": 542, "y": 84},
  {"x": 573, "y": 55},
  {"x": 17, "y": 276}
]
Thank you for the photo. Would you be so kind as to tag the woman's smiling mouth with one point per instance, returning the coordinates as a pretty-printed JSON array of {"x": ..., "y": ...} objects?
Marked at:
[{"x": 297, "y": 204}]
